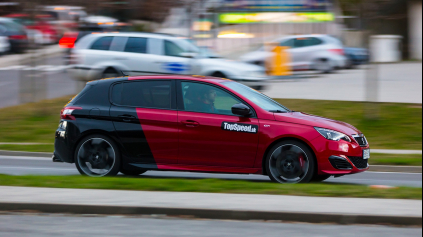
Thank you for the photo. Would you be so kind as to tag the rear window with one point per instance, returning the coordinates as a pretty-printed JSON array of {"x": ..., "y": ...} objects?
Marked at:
[
  {"x": 136, "y": 45},
  {"x": 83, "y": 92},
  {"x": 143, "y": 94},
  {"x": 103, "y": 43}
]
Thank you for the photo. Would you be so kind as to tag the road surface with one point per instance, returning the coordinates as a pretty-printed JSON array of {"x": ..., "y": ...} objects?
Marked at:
[
  {"x": 44, "y": 166},
  {"x": 75, "y": 226}
]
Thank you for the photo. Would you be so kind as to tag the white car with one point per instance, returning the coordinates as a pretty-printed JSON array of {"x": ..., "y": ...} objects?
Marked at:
[
  {"x": 308, "y": 52},
  {"x": 103, "y": 55},
  {"x": 4, "y": 44}
]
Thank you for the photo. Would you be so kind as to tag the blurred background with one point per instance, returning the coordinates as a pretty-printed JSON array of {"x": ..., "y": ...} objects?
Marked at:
[
  {"x": 316, "y": 37},
  {"x": 358, "y": 61}
]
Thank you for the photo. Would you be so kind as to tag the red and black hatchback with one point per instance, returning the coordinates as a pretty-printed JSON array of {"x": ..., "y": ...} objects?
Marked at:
[{"x": 198, "y": 124}]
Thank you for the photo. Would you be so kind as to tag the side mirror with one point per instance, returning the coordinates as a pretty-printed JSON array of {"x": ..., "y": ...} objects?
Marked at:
[
  {"x": 241, "y": 110},
  {"x": 188, "y": 55}
]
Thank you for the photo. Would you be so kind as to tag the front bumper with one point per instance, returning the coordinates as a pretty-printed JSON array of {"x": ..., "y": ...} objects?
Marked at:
[{"x": 352, "y": 153}]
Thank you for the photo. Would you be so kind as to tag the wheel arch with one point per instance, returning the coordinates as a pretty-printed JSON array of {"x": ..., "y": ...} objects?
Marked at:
[{"x": 287, "y": 138}]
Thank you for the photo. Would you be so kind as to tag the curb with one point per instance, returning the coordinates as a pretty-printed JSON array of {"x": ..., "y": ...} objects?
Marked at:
[
  {"x": 373, "y": 168},
  {"x": 216, "y": 214}
]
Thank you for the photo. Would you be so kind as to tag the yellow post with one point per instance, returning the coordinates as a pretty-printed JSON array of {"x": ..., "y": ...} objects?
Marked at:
[{"x": 279, "y": 63}]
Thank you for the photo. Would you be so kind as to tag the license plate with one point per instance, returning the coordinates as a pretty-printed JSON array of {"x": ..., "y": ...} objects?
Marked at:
[{"x": 366, "y": 154}]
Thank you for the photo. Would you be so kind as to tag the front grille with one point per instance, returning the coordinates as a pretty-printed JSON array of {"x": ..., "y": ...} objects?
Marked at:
[
  {"x": 361, "y": 140},
  {"x": 359, "y": 162},
  {"x": 340, "y": 163}
]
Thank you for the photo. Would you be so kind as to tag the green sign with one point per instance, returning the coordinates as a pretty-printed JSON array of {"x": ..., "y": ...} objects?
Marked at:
[{"x": 276, "y": 17}]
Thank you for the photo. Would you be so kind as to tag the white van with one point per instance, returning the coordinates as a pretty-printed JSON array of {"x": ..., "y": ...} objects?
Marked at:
[{"x": 103, "y": 55}]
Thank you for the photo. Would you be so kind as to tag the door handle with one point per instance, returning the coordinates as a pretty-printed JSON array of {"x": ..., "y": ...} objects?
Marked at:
[
  {"x": 127, "y": 118},
  {"x": 190, "y": 123},
  {"x": 120, "y": 59}
]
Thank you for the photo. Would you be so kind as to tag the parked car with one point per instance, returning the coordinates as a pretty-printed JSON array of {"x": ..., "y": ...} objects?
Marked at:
[
  {"x": 4, "y": 44},
  {"x": 49, "y": 34},
  {"x": 201, "y": 124},
  {"x": 308, "y": 52},
  {"x": 356, "y": 57},
  {"x": 106, "y": 55},
  {"x": 16, "y": 34}
]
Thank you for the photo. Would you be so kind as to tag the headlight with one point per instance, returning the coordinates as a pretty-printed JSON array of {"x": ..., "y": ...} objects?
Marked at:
[{"x": 333, "y": 135}]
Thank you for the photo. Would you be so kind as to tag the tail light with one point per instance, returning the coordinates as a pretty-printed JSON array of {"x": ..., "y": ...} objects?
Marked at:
[
  {"x": 18, "y": 37},
  {"x": 337, "y": 51},
  {"x": 68, "y": 40},
  {"x": 66, "y": 113}
]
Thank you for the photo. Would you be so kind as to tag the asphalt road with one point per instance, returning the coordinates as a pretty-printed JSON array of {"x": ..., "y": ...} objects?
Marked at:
[
  {"x": 76, "y": 226},
  {"x": 43, "y": 166}
]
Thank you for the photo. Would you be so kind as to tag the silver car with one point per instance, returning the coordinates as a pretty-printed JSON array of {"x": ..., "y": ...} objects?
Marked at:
[
  {"x": 308, "y": 52},
  {"x": 108, "y": 54}
]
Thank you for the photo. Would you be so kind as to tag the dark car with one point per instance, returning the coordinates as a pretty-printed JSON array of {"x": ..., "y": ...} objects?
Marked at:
[
  {"x": 16, "y": 33},
  {"x": 200, "y": 124},
  {"x": 356, "y": 57}
]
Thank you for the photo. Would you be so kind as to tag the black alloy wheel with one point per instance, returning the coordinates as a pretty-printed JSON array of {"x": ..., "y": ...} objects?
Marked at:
[
  {"x": 290, "y": 162},
  {"x": 97, "y": 156}
]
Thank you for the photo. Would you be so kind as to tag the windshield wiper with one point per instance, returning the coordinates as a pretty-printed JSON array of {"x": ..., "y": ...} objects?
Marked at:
[{"x": 278, "y": 111}]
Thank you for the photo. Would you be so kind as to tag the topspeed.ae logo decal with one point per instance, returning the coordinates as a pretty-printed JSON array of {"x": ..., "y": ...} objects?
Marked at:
[{"x": 237, "y": 127}]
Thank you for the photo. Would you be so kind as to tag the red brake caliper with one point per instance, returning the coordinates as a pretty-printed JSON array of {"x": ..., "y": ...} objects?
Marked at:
[{"x": 302, "y": 161}]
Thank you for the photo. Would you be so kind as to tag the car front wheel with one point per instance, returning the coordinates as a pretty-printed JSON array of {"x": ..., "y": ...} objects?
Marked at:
[
  {"x": 290, "y": 162},
  {"x": 97, "y": 156}
]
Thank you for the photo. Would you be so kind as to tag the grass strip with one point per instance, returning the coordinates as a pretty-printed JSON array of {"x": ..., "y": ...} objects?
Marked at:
[
  {"x": 28, "y": 148},
  {"x": 210, "y": 186},
  {"x": 399, "y": 160},
  {"x": 399, "y": 125}
]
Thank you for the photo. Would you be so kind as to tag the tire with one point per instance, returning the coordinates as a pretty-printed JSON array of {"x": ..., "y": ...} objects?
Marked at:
[
  {"x": 323, "y": 66},
  {"x": 133, "y": 172},
  {"x": 110, "y": 73},
  {"x": 97, "y": 156},
  {"x": 290, "y": 162},
  {"x": 320, "y": 178},
  {"x": 219, "y": 75}
]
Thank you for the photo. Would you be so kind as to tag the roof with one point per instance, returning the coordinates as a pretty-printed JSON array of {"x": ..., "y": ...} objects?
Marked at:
[
  {"x": 178, "y": 77},
  {"x": 135, "y": 34}
]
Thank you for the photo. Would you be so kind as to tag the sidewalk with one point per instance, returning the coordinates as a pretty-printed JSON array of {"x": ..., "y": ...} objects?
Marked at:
[{"x": 214, "y": 206}]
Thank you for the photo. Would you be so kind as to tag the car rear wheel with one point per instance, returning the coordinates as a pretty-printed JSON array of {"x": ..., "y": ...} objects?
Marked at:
[
  {"x": 290, "y": 162},
  {"x": 97, "y": 156},
  {"x": 323, "y": 66},
  {"x": 219, "y": 75},
  {"x": 110, "y": 73}
]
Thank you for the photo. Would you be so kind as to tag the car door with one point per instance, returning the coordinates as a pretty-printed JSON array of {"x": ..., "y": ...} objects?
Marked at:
[
  {"x": 170, "y": 59},
  {"x": 137, "y": 57},
  {"x": 145, "y": 119},
  {"x": 209, "y": 134}
]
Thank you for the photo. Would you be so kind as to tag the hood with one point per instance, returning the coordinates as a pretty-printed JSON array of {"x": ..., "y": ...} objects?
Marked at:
[{"x": 316, "y": 121}]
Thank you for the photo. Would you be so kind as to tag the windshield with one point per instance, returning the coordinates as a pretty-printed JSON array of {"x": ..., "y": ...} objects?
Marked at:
[
  {"x": 190, "y": 46},
  {"x": 257, "y": 98}
]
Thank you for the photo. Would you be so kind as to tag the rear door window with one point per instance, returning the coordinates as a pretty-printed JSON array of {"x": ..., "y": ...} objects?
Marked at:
[
  {"x": 144, "y": 94},
  {"x": 103, "y": 43},
  {"x": 136, "y": 45}
]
